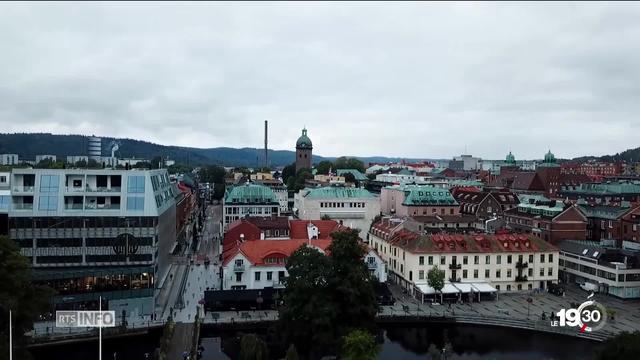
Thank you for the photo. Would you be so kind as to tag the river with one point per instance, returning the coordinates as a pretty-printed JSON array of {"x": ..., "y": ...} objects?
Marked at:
[{"x": 397, "y": 343}]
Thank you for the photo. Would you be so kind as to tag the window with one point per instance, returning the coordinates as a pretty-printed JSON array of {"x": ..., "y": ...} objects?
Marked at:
[
  {"x": 421, "y": 260},
  {"x": 487, "y": 259},
  {"x": 476, "y": 260},
  {"x": 498, "y": 259},
  {"x": 269, "y": 275},
  {"x": 430, "y": 260},
  {"x": 508, "y": 259},
  {"x": 49, "y": 183},
  {"x": 541, "y": 258},
  {"x": 487, "y": 274},
  {"x": 508, "y": 273},
  {"x": 257, "y": 275},
  {"x": 550, "y": 258},
  {"x": 550, "y": 272},
  {"x": 498, "y": 287},
  {"x": 238, "y": 277},
  {"x": 443, "y": 260},
  {"x": 4, "y": 202},
  {"x": 508, "y": 287},
  {"x": 410, "y": 275},
  {"x": 531, "y": 258},
  {"x": 135, "y": 184},
  {"x": 519, "y": 286},
  {"x": 48, "y": 203},
  {"x": 280, "y": 275},
  {"x": 135, "y": 203},
  {"x": 530, "y": 272},
  {"x": 464, "y": 274},
  {"x": 465, "y": 260},
  {"x": 475, "y": 273},
  {"x": 498, "y": 274},
  {"x": 541, "y": 271},
  {"x": 421, "y": 275}
]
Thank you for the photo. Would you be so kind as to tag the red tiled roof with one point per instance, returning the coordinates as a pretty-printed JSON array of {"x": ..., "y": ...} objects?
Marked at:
[
  {"x": 273, "y": 222},
  {"x": 298, "y": 228},
  {"x": 256, "y": 251}
]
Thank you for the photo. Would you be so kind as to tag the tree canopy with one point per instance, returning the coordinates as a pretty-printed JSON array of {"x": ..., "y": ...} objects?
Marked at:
[
  {"x": 323, "y": 167},
  {"x": 623, "y": 346},
  {"x": 359, "y": 345},
  {"x": 349, "y": 163},
  {"x": 298, "y": 182},
  {"x": 212, "y": 174},
  {"x": 18, "y": 294},
  {"x": 435, "y": 278},
  {"x": 253, "y": 348},
  {"x": 326, "y": 296}
]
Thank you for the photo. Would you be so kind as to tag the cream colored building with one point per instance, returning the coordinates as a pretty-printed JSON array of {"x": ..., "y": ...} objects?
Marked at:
[{"x": 507, "y": 262}]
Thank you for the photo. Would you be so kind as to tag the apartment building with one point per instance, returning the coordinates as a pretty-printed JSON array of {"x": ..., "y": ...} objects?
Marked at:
[
  {"x": 90, "y": 233},
  {"x": 9, "y": 159},
  {"x": 248, "y": 200},
  {"x": 417, "y": 200},
  {"x": 504, "y": 262}
]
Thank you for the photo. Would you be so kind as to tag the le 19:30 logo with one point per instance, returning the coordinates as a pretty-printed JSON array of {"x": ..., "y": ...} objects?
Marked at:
[{"x": 588, "y": 317}]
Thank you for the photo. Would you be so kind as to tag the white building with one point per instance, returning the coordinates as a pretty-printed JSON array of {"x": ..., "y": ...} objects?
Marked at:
[
  {"x": 130, "y": 161},
  {"x": 401, "y": 179},
  {"x": 510, "y": 262},
  {"x": 468, "y": 163},
  {"x": 72, "y": 159},
  {"x": 87, "y": 232},
  {"x": 9, "y": 159},
  {"x": 248, "y": 199},
  {"x": 44, "y": 157},
  {"x": 353, "y": 207}
]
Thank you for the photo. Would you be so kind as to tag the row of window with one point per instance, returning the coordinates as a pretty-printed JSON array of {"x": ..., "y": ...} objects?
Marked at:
[
  {"x": 487, "y": 273},
  {"x": 257, "y": 276},
  {"x": 342, "y": 205},
  {"x": 434, "y": 211},
  {"x": 476, "y": 259},
  {"x": 135, "y": 184},
  {"x": 599, "y": 273}
]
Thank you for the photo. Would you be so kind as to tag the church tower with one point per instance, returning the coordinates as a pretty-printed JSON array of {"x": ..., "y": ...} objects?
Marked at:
[{"x": 303, "y": 151}]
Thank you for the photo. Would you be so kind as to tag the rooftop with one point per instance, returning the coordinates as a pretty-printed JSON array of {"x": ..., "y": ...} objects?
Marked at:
[
  {"x": 356, "y": 174},
  {"x": 250, "y": 194},
  {"x": 336, "y": 192},
  {"x": 417, "y": 196}
]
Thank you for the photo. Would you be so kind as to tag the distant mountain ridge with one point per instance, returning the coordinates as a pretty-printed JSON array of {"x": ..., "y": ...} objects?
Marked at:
[{"x": 28, "y": 145}]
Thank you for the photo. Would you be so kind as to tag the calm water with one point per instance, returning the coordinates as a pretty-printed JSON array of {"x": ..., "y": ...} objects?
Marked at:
[{"x": 399, "y": 343}]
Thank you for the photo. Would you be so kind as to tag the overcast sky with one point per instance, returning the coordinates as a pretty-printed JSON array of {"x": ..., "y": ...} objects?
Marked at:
[{"x": 396, "y": 79}]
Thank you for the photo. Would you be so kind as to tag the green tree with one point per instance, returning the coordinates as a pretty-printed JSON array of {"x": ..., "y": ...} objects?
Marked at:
[
  {"x": 435, "y": 279},
  {"x": 49, "y": 164},
  {"x": 623, "y": 346},
  {"x": 21, "y": 296},
  {"x": 157, "y": 162},
  {"x": 325, "y": 217},
  {"x": 349, "y": 163},
  {"x": 298, "y": 182},
  {"x": 325, "y": 297},
  {"x": 253, "y": 348},
  {"x": 143, "y": 165},
  {"x": 307, "y": 319},
  {"x": 292, "y": 353},
  {"x": 179, "y": 169},
  {"x": 288, "y": 172},
  {"x": 350, "y": 178},
  {"x": 92, "y": 164},
  {"x": 323, "y": 167},
  {"x": 359, "y": 345},
  {"x": 218, "y": 191},
  {"x": 213, "y": 174}
]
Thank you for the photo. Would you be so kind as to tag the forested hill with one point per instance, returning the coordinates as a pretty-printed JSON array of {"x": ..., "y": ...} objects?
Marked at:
[{"x": 27, "y": 146}]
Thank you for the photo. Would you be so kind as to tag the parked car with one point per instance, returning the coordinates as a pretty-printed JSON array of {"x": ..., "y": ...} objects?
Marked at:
[
  {"x": 556, "y": 289},
  {"x": 587, "y": 286}
]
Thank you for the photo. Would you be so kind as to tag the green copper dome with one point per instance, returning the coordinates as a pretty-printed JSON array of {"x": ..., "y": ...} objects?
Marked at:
[
  {"x": 511, "y": 160},
  {"x": 304, "y": 141},
  {"x": 549, "y": 158}
]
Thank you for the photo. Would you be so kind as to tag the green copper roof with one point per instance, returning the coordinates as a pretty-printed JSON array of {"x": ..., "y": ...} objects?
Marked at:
[
  {"x": 540, "y": 205},
  {"x": 510, "y": 160},
  {"x": 549, "y": 160},
  {"x": 604, "y": 212},
  {"x": 356, "y": 174},
  {"x": 303, "y": 140},
  {"x": 333, "y": 192},
  {"x": 250, "y": 194},
  {"x": 607, "y": 188},
  {"x": 475, "y": 183},
  {"x": 428, "y": 196}
]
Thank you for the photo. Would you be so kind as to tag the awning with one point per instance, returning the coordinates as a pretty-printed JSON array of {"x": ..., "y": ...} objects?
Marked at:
[
  {"x": 464, "y": 288},
  {"x": 483, "y": 287},
  {"x": 449, "y": 289},
  {"x": 425, "y": 289}
]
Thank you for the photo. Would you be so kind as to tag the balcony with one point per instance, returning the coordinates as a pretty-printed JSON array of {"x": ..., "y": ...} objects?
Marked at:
[
  {"x": 521, "y": 265},
  {"x": 454, "y": 280},
  {"x": 455, "y": 266},
  {"x": 522, "y": 278},
  {"x": 102, "y": 207},
  {"x": 27, "y": 189},
  {"x": 103, "y": 189},
  {"x": 73, "y": 206},
  {"x": 238, "y": 267},
  {"x": 22, "y": 206}
]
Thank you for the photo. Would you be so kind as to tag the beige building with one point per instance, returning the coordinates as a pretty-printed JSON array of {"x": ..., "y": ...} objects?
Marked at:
[{"x": 504, "y": 262}]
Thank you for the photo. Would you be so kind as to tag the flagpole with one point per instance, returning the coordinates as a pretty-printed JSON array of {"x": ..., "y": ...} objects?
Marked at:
[
  {"x": 100, "y": 332},
  {"x": 10, "y": 338}
]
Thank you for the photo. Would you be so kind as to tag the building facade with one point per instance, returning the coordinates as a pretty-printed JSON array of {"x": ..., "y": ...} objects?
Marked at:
[
  {"x": 248, "y": 200},
  {"x": 9, "y": 159},
  {"x": 353, "y": 207},
  {"x": 90, "y": 233},
  {"x": 507, "y": 262},
  {"x": 417, "y": 200}
]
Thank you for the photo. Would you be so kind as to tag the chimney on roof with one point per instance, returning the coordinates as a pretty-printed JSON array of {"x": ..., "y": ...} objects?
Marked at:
[
  {"x": 261, "y": 235},
  {"x": 241, "y": 238}
]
